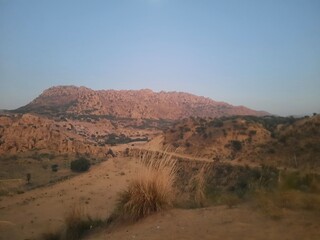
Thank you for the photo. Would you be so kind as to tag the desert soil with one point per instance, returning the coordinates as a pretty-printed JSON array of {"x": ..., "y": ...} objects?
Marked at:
[
  {"x": 219, "y": 222},
  {"x": 28, "y": 215}
]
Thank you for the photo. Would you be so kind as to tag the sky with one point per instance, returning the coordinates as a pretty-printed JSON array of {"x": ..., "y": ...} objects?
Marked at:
[{"x": 261, "y": 54}]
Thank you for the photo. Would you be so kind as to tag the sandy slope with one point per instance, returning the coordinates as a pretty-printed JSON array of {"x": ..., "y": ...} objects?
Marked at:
[
  {"x": 217, "y": 223},
  {"x": 27, "y": 215}
]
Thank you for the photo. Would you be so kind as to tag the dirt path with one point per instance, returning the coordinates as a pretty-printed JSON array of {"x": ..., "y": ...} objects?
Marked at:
[
  {"x": 27, "y": 215},
  {"x": 191, "y": 158},
  {"x": 201, "y": 159}
]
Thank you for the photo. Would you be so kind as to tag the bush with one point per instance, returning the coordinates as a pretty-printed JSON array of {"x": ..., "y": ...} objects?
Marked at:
[
  {"x": 80, "y": 165},
  {"x": 150, "y": 191},
  {"x": 236, "y": 145},
  {"x": 303, "y": 182},
  {"x": 217, "y": 123},
  {"x": 77, "y": 225},
  {"x": 54, "y": 167},
  {"x": 252, "y": 132}
]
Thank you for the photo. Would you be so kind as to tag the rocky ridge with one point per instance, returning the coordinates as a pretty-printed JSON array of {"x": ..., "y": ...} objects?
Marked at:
[{"x": 135, "y": 104}]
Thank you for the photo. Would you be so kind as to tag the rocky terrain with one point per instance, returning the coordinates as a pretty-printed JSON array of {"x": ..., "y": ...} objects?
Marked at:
[
  {"x": 237, "y": 169},
  {"x": 69, "y": 119},
  {"x": 278, "y": 141},
  {"x": 28, "y": 132},
  {"x": 141, "y": 104}
]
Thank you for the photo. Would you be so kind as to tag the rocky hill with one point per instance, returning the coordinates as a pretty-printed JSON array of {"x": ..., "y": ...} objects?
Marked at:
[{"x": 135, "y": 104}]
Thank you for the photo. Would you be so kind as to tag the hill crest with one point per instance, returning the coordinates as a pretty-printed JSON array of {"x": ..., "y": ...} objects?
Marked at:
[{"x": 143, "y": 103}]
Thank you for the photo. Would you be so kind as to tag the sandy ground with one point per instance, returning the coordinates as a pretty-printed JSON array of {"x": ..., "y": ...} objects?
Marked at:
[
  {"x": 217, "y": 222},
  {"x": 28, "y": 215}
]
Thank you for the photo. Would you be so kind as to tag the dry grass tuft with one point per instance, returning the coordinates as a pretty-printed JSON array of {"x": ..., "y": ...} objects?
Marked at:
[
  {"x": 198, "y": 186},
  {"x": 151, "y": 190},
  {"x": 78, "y": 223}
]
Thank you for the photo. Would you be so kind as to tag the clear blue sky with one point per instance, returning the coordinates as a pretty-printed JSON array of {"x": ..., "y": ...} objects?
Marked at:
[{"x": 261, "y": 54}]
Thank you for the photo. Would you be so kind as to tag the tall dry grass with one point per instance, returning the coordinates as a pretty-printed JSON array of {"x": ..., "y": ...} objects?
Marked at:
[
  {"x": 152, "y": 190},
  {"x": 78, "y": 223},
  {"x": 197, "y": 185}
]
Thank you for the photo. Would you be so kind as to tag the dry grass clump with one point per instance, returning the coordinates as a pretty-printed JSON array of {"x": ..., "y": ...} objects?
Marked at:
[
  {"x": 152, "y": 190},
  {"x": 77, "y": 223},
  {"x": 197, "y": 186}
]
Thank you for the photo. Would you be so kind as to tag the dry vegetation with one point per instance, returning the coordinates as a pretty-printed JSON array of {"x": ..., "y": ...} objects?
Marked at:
[
  {"x": 197, "y": 187},
  {"x": 77, "y": 224},
  {"x": 152, "y": 190},
  {"x": 277, "y": 141}
]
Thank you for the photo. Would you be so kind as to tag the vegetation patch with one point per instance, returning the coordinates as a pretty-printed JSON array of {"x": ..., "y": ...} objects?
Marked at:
[
  {"x": 77, "y": 225},
  {"x": 151, "y": 191},
  {"x": 113, "y": 139},
  {"x": 80, "y": 165}
]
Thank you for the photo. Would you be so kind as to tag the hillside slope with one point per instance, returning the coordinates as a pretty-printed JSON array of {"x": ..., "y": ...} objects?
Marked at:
[
  {"x": 30, "y": 132},
  {"x": 278, "y": 141}
]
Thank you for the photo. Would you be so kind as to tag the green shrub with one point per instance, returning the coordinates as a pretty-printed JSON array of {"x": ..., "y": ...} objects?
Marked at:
[{"x": 80, "y": 165}]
